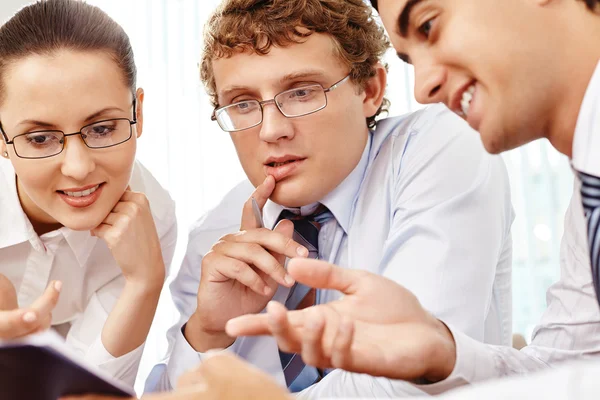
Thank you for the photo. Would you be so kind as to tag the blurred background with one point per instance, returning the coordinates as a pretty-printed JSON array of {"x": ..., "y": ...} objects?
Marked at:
[{"x": 197, "y": 163}]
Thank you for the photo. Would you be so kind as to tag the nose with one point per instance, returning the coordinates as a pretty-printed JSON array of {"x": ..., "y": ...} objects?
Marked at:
[
  {"x": 430, "y": 82},
  {"x": 77, "y": 162},
  {"x": 275, "y": 125}
]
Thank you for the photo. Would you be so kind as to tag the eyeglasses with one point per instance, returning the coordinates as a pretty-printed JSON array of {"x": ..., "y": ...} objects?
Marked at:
[
  {"x": 291, "y": 103},
  {"x": 49, "y": 143}
]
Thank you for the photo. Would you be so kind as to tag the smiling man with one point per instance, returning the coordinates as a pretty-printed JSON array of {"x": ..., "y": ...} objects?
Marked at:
[{"x": 297, "y": 86}]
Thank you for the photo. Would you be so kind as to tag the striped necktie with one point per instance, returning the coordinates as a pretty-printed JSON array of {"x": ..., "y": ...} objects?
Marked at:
[
  {"x": 298, "y": 375},
  {"x": 590, "y": 196}
]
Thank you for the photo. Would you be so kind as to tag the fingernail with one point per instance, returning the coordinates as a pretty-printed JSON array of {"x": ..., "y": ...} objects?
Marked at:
[
  {"x": 29, "y": 317},
  {"x": 58, "y": 285},
  {"x": 302, "y": 251},
  {"x": 289, "y": 280},
  {"x": 267, "y": 290}
]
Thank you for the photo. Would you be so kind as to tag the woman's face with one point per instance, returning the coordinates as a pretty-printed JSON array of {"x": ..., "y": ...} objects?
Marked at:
[{"x": 66, "y": 91}]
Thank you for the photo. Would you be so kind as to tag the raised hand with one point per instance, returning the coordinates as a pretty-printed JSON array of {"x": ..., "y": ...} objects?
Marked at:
[
  {"x": 378, "y": 327},
  {"x": 241, "y": 273},
  {"x": 18, "y": 322},
  {"x": 131, "y": 236}
]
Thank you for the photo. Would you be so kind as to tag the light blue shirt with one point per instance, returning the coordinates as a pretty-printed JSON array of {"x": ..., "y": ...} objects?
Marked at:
[{"x": 426, "y": 206}]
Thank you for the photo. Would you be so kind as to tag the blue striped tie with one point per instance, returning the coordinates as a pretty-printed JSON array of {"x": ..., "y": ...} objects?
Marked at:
[
  {"x": 590, "y": 195},
  {"x": 298, "y": 375}
]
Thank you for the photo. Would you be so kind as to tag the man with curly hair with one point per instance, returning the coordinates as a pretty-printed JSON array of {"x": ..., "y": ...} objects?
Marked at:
[{"x": 298, "y": 86}]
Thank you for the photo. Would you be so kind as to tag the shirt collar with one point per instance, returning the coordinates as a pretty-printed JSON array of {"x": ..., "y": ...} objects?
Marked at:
[
  {"x": 21, "y": 230},
  {"x": 340, "y": 201},
  {"x": 586, "y": 141}
]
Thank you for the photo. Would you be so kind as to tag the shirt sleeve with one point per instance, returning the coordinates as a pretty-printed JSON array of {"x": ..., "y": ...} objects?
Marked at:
[
  {"x": 570, "y": 382},
  {"x": 568, "y": 329},
  {"x": 85, "y": 336},
  {"x": 452, "y": 215}
]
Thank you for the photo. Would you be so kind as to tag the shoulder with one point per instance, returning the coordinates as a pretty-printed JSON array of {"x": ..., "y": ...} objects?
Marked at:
[
  {"x": 161, "y": 203},
  {"x": 223, "y": 218}
]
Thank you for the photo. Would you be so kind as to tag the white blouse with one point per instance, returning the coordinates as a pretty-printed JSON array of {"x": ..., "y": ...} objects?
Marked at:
[{"x": 92, "y": 280}]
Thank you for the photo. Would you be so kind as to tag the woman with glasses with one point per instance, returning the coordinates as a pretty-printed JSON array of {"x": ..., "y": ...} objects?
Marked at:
[{"x": 86, "y": 233}]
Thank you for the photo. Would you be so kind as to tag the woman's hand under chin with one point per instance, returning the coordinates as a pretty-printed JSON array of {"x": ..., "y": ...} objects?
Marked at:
[{"x": 130, "y": 233}]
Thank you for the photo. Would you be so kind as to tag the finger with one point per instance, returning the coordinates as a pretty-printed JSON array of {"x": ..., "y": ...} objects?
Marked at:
[
  {"x": 134, "y": 197},
  {"x": 93, "y": 397},
  {"x": 101, "y": 231},
  {"x": 258, "y": 324},
  {"x": 47, "y": 301},
  {"x": 238, "y": 270},
  {"x": 255, "y": 255},
  {"x": 288, "y": 337},
  {"x": 312, "y": 339},
  {"x": 248, "y": 325},
  {"x": 261, "y": 195},
  {"x": 111, "y": 219},
  {"x": 17, "y": 323},
  {"x": 279, "y": 240},
  {"x": 341, "y": 349},
  {"x": 322, "y": 275}
]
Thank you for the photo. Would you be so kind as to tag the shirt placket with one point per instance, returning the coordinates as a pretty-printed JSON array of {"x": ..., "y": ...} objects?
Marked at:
[{"x": 37, "y": 269}]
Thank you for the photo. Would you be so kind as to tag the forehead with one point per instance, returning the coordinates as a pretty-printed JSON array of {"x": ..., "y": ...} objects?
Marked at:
[
  {"x": 318, "y": 52},
  {"x": 66, "y": 80}
]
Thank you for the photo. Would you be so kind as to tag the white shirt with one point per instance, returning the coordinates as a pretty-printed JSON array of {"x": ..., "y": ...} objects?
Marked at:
[
  {"x": 570, "y": 326},
  {"x": 92, "y": 281},
  {"x": 426, "y": 206}
]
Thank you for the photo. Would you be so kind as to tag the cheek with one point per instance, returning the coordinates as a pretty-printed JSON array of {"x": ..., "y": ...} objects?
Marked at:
[
  {"x": 247, "y": 145},
  {"x": 37, "y": 178}
]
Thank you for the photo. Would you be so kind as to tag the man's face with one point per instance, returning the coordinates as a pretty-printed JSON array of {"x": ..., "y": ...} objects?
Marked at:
[
  {"x": 310, "y": 155},
  {"x": 491, "y": 61}
]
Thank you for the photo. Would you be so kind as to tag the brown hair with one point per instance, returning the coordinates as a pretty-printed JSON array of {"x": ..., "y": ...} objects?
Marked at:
[
  {"x": 257, "y": 25},
  {"x": 51, "y": 25},
  {"x": 591, "y": 4}
]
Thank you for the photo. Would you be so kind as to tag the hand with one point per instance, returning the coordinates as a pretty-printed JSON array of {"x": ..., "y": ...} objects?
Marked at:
[
  {"x": 131, "y": 236},
  {"x": 222, "y": 376},
  {"x": 18, "y": 322},
  {"x": 378, "y": 327},
  {"x": 241, "y": 274}
]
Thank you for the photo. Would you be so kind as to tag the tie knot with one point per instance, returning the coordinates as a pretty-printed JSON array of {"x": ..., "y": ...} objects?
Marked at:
[{"x": 306, "y": 227}]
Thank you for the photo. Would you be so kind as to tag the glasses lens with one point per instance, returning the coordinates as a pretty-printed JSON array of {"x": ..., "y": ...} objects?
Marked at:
[
  {"x": 302, "y": 100},
  {"x": 238, "y": 116},
  {"x": 107, "y": 133},
  {"x": 39, "y": 144}
]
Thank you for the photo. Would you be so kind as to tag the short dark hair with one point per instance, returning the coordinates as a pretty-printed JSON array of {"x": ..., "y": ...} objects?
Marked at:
[
  {"x": 48, "y": 26},
  {"x": 591, "y": 4}
]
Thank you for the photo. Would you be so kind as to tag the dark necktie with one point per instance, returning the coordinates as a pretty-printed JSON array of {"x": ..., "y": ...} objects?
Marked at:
[
  {"x": 298, "y": 375},
  {"x": 590, "y": 196}
]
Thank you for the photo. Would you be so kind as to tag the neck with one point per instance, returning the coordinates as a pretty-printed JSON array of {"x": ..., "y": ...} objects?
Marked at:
[
  {"x": 578, "y": 61},
  {"x": 40, "y": 220}
]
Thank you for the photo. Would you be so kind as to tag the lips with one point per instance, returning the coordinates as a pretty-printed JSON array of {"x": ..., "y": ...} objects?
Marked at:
[
  {"x": 81, "y": 197},
  {"x": 283, "y": 167}
]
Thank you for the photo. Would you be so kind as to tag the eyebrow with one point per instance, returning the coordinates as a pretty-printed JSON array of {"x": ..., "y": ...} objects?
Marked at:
[
  {"x": 48, "y": 125},
  {"x": 404, "y": 17},
  {"x": 313, "y": 73}
]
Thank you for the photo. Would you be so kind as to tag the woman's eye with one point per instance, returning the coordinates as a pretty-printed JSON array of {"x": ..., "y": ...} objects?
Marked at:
[{"x": 425, "y": 28}]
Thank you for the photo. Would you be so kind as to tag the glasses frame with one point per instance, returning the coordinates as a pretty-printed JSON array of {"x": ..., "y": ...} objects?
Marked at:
[
  {"x": 65, "y": 135},
  {"x": 213, "y": 117}
]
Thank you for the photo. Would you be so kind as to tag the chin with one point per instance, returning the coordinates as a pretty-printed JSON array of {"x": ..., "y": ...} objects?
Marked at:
[
  {"x": 290, "y": 194},
  {"x": 83, "y": 222}
]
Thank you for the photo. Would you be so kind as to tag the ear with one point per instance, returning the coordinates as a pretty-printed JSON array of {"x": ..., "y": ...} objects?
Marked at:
[
  {"x": 374, "y": 91},
  {"x": 139, "y": 95},
  {"x": 3, "y": 147}
]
